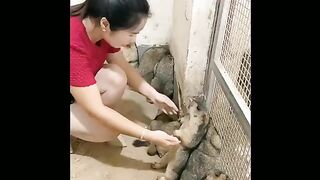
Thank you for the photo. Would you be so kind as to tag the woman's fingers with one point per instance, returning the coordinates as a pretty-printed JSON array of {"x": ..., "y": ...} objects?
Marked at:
[
  {"x": 164, "y": 110},
  {"x": 172, "y": 105},
  {"x": 173, "y": 140}
]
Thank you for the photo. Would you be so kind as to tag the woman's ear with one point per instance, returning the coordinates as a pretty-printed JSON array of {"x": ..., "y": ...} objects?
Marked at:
[{"x": 104, "y": 24}]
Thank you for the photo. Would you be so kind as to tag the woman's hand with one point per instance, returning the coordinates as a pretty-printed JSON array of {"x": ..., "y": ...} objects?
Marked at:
[
  {"x": 164, "y": 103},
  {"x": 161, "y": 138}
]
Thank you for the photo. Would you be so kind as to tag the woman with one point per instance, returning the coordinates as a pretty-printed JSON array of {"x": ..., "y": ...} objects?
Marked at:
[{"x": 98, "y": 28}]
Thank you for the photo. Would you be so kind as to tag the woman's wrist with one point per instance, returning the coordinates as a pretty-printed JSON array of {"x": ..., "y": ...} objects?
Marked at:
[
  {"x": 148, "y": 91},
  {"x": 146, "y": 135},
  {"x": 143, "y": 133},
  {"x": 152, "y": 95}
]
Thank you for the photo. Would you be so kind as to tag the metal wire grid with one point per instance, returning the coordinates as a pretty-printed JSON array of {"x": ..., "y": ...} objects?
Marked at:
[
  {"x": 236, "y": 48},
  {"x": 235, "y": 157}
]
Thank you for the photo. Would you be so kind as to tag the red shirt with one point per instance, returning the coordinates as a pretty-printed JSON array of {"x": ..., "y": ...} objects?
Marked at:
[{"x": 86, "y": 58}]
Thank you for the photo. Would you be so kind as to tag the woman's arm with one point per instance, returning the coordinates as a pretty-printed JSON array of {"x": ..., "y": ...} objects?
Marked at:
[
  {"x": 89, "y": 98},
  {"x": 134, "y": 78},
  {"x": 140, "y": 85}
]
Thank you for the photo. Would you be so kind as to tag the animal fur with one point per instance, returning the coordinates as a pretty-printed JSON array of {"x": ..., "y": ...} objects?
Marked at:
[{"x": 192, "y": 130}]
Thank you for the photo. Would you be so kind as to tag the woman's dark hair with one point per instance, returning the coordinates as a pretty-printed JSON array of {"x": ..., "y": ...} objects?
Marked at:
[{"x": 121, "y": 14}]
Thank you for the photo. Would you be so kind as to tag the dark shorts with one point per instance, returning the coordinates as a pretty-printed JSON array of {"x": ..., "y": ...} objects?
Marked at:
[{"x": 71, "y": 99}]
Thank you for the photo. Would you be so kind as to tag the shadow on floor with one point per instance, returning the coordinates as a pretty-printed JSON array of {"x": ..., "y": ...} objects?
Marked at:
[
  {"x": 133, "y": 111},
  {"x": 109, "y": 154}
]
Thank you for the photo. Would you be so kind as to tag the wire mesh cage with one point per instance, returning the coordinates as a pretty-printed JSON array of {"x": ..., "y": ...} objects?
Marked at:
[
  {"x": 235, "y": 156},
  {"x": 228, "y": 87}
]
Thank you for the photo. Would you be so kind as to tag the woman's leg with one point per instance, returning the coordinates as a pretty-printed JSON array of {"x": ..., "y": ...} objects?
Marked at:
[{"x": 111, "y": 81}]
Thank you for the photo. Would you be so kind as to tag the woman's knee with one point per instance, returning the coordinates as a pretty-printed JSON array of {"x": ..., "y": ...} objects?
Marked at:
[
  {"x": 111, "y": 76},
  {"x": 120, "y": 77}
]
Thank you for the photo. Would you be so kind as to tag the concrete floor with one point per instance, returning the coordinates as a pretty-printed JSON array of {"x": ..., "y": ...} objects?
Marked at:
[{"x": 107, "y": 161}]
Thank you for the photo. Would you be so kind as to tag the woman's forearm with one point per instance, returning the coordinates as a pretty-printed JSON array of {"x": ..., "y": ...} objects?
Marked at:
[
  {"x": 89, "y": 98},
  {"x": 146, "y": 89},
  {"x": 118, "y": 122},
  {"x": 141, "y": 86},
  {"x": 135, "y": 80}
]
